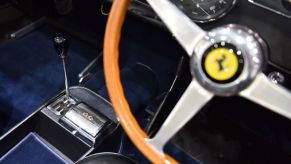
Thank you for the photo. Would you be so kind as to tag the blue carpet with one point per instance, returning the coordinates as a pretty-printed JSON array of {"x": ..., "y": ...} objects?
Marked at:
[{"x": 33, "y": 151}]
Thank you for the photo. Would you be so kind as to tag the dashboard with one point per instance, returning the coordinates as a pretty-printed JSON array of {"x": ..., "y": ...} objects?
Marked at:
[
  {"x": 210, "y": 10},
  {"x": 270, "y": 19}
]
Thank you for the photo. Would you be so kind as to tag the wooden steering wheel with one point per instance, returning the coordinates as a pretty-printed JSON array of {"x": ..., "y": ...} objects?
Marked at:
[{"x": 225, "y": 61}]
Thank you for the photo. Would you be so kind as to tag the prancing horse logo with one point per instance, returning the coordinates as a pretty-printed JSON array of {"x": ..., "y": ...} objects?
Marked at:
[{"x": 220, "y": 61}]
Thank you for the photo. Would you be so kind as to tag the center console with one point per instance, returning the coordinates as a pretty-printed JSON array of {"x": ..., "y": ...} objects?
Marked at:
[{"x": 71, "y": 132}]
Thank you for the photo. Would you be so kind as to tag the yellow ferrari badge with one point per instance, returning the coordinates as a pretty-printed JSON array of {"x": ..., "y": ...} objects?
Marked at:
[{"x": 221, "y": 64}]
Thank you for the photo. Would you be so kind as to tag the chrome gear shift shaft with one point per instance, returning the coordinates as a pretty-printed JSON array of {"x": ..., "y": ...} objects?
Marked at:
[{"x": 61, "y": 46}]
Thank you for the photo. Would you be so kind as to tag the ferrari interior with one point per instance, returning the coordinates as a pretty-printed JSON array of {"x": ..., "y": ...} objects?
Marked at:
[{"x": 145, "y": 81}]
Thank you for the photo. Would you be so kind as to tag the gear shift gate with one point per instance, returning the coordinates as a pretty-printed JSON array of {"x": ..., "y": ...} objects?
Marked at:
[
  {"x": 78, "y": 116},
  {"x": 61, "y": 105}
]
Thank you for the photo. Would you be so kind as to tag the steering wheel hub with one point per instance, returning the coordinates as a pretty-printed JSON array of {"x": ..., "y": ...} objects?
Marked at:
[
  {"x": 222, "y": 63},
  {"x": 228, "y": 59}
]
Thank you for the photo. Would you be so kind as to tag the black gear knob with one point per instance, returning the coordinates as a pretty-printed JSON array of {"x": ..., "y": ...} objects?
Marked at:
[{"x": 61, "y": 45}]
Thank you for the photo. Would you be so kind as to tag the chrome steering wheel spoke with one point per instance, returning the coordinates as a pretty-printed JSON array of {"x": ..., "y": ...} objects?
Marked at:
[
  {"x": 183, "y": 28},
  {"x": 274, "y": 97},
  {"x": 192, "y": 100}
]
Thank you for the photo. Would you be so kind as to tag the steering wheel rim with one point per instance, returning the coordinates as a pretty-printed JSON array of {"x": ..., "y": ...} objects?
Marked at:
[{"x": 112, "y": 77}]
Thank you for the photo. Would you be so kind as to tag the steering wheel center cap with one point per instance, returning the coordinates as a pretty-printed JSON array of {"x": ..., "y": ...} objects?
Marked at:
[
  {"x": 222, "y": 63},
  {"x": 228, "y": 59}
]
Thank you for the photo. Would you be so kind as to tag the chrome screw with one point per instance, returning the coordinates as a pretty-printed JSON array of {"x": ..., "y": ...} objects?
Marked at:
[{"x": 276, "y": 77}]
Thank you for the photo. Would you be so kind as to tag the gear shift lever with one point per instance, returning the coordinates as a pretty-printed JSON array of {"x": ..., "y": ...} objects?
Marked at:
[{"x": 61, "y": 45}]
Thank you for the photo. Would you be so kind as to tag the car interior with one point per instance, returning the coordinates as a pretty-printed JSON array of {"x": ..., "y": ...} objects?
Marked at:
[{"x": 145, "y": 81}]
